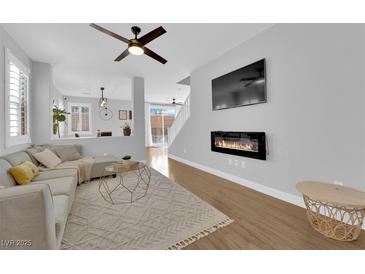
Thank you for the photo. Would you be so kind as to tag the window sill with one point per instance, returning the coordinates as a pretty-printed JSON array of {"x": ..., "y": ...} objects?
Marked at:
[
  {"x": 90, "y": 137},
  {"x": 10, "y": 143}
]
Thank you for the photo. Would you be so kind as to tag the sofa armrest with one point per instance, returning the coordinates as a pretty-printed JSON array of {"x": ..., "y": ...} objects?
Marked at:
[{"x": 27, "y": 218}]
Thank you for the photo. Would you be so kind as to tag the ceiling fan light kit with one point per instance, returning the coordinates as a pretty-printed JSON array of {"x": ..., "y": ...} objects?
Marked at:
[
  {"x": 136, "y": 46},
  {"x": 174, "y": 103}
]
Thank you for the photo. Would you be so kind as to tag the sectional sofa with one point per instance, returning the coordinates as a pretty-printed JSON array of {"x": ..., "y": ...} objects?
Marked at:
[{"x": 34, "y": 216}]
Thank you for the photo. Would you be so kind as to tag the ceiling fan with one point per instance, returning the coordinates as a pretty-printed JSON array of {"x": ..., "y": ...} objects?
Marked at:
[
  {"x": 249, "y": 81},
  {"x": 176, "y": 103},
  {"x": 136, "y": 46}
]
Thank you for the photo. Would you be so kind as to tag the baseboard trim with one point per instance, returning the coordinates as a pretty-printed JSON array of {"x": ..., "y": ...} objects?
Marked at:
[{"x": 281, "y": 195}]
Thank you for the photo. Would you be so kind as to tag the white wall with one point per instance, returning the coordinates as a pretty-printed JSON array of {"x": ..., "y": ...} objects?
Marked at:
[
  {"x": 7, "y": 42},
  {"x": 114, "y": 124},
  {"x": 314, "y": 118},
  {"x": 138, "y": 124},
  {"x": 41, "y": 105}
]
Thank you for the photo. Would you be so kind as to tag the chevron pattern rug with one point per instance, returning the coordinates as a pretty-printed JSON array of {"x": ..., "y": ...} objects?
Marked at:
[{"x": 168, "y": 217}]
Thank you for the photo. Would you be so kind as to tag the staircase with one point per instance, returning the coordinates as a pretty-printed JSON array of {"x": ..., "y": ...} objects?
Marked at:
[{"x": 180, "y": 119}]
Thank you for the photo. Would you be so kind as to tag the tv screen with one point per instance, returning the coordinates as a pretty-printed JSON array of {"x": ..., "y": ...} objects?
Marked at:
[{"x": 242, "y": 87}]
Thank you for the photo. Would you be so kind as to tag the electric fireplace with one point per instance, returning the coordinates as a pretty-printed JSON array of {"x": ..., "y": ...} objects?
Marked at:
[{"x": 247, "y": 144}]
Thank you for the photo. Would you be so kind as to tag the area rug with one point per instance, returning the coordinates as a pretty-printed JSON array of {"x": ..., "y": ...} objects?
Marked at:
[{"x": 167, "y": 217}]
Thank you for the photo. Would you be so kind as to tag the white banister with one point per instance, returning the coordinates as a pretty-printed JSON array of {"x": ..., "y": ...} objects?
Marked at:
[{"x": 179, "y": 121}]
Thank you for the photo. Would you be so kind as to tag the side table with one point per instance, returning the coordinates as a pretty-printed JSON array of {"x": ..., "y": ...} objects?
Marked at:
[{"x": 335, "y": 211}]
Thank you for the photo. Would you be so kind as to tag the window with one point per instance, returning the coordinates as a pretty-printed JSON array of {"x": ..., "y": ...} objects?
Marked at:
[
  {"x": 16, "y": 98},
  {"x": 79, "y": 118},
  {"x": 162, "y": 118}
]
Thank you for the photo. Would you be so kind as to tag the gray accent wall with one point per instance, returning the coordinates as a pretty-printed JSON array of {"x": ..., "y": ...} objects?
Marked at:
[{"x": 314, "y": 117}]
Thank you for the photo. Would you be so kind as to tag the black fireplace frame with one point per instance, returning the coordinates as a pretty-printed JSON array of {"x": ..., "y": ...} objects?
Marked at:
[{"x": 260, "y": 136}]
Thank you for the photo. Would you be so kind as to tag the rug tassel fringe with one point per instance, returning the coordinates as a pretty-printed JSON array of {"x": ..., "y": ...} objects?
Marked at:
[{"x": 200, "y": 235}]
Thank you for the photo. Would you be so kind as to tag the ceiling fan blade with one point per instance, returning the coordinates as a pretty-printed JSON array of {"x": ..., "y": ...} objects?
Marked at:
[
  {"x": 117, "y": 36},
  {"x": 251, "y": 83},
  {"x": 151, "y": 35},
  {"x": 154, "y": 55},
  {"x": 248, "y": 79},
  {"x": 123, "y": 55}
]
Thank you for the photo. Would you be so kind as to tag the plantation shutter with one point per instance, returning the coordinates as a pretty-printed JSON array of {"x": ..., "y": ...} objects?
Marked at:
[
  {"x": 80, "y": 118},
  {"x": 18, "y": 93},
  {"x": 16, "y": 101}
]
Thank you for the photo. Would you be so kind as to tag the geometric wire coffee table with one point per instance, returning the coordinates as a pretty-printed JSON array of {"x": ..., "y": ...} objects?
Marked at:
[
  {"x": 130, "y": 183},
  {"x": 334, "y": 211}
]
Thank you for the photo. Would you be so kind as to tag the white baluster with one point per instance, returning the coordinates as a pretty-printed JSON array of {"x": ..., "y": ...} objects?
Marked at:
[{"x": 180, "y": 119}]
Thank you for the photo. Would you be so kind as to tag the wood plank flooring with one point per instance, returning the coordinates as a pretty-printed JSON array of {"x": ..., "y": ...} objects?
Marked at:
[{"x": 261, "y": 221}]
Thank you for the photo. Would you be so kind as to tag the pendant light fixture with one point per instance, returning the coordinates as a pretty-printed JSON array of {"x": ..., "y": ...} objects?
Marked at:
[{"x": 103, "y": 102}]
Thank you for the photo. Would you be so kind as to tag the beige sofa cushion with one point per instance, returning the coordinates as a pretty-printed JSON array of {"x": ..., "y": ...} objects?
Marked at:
[
  {"x": 6, "y": 179},
  {"x": 27, "y": 213},
  {"x": 17, "y": 158},
  {"x": 61, "y": 186},
  {"x": 67, "y": 152},
  {"x": 55, "y": 173},
  {"x": 60, "y": 204},
  {"x": 47, "y": 158},
  {"x": 100, "y": 163},
  {"x": 32, "y": 150}
]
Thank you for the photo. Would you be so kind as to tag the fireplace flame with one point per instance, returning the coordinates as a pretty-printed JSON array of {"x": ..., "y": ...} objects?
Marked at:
[{"x": 236, "y": 145}]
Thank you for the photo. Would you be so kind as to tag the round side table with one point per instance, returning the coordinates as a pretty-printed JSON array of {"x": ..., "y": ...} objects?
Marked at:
[
  {"x": 130, "y": 183},
  {"x": 335, "y": 211}
]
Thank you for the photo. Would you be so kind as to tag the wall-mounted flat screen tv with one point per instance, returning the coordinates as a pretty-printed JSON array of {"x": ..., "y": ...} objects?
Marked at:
[{"x": 242, "y": 87}]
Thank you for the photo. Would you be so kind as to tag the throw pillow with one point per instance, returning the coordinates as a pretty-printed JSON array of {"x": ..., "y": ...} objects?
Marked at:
[
  {"x": 47, "y": 158},
  {"x": 67, "y": 152},
  {"x": 35, "y": 149},
  {"x": 22, "y": 174},
  {"x": 32, "y": 166}
]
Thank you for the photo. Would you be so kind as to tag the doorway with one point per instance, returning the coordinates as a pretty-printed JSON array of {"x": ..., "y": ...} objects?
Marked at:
[{"x": 162, "y": 118}]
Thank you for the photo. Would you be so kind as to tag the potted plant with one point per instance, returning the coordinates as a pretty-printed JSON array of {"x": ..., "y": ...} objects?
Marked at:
[
  {"x": 59, "y": 116},
  {"x": 126, "y": 129},
  {"x": 126, "y": 158}
]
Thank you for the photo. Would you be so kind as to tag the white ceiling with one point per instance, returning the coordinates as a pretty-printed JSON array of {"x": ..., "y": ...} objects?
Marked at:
[{"x": 82, "y": 57}]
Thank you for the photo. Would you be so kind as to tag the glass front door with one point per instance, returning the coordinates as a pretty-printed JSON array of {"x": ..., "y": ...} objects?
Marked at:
[{"x": 162, "y": 118}]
